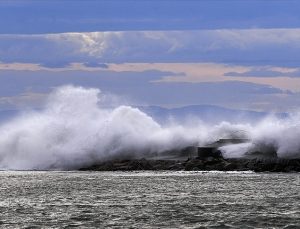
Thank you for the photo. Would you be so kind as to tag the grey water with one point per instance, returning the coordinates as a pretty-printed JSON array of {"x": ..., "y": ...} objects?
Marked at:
[{"x": 149, "y": 200}]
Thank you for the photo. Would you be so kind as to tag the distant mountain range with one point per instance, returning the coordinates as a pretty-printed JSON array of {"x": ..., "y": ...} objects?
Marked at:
[
  {"x": 207, "y": 113},
  {"x": 7, "y": 114}
]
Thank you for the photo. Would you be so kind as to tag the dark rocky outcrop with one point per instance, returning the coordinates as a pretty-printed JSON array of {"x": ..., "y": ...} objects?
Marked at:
[
  {"x": 136, "y": 164},
  {"x": 196, "y": 164}
]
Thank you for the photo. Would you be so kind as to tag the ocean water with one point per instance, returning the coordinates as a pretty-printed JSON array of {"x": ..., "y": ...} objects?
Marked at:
[{"x": 149, "y": 200}]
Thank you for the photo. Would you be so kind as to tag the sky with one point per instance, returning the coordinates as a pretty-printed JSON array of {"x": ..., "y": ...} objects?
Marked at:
[{"x": 171, "y": 53}]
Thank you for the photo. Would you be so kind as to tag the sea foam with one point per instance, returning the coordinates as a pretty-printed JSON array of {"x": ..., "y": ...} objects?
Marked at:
[{"x": 73, "y": 130}]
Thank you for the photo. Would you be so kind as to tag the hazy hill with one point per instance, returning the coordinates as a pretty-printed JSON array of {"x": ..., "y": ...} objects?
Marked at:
[
  {"x": 207, "y": 113},
  {"x": 7, "y": 114}
]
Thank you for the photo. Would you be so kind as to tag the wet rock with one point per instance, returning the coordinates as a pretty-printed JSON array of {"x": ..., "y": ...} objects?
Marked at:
[
  {"x": 176, "y": 167},
  {"x": 230, "y": 166},
  {"x": 195, "y": 164},
  {"x": 257, "y": 165}
]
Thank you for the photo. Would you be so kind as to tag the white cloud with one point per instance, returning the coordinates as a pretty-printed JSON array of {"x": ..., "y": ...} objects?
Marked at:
[{"x": 154, "y": 46}]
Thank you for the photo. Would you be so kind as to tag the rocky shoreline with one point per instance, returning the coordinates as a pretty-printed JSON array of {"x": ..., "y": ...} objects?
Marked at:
[{"x": 196, "y": 164}]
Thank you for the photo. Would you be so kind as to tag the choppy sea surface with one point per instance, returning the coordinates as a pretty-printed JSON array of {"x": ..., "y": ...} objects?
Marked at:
[{"x": 149, "y": 200}]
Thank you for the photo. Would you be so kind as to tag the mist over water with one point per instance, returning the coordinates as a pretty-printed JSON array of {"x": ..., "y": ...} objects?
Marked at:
[{"x": 74, "y": 130}]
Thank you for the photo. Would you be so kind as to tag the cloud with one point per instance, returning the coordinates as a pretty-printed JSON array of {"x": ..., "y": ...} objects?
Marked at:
[
  {"x": 95, "y": 65},
  {"x": 280, "y": 47},
  {"x": 42, "y": 81},
  {"x": 149, "y": 65},
  {"x": 170, "y": 72},
  {"x": 264, "y": 73},
  {"x": 138, "y": 88},
  {"x": 212, "y": 72}
]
